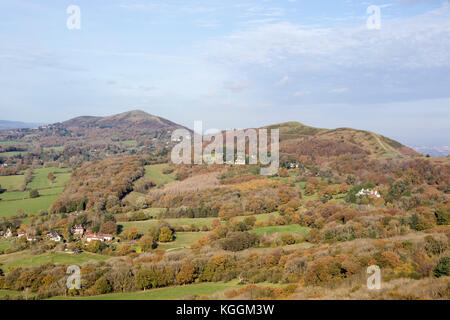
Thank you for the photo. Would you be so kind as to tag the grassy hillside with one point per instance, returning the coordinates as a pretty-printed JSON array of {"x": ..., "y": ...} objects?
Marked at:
[
  {"x": 297, "y": 139},
  {"x": 26, "y": 258},
  {"x": 12, "y": 200},
  {"x": 170, "y": 293},
  {"x": 281, "y": 229},
  {"x": 155, "y": 172}
]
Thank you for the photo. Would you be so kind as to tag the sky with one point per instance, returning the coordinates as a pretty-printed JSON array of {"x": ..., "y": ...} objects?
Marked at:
[{"x": 232, "y": 64}]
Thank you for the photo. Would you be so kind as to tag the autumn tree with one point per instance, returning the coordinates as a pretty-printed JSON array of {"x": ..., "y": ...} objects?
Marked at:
[
  {"x": 34, "y": 193},
  {"x": 215, "y": 223},
  {"x": 101, "y": 286},
  {"x": 146, "y": 243},
  {"x": 282, "y": 172},
  {"x": 51, "y": 177},
  {"x": 343, "y": 187},
  {"x": 165, "y": 235},
  {"x": 186, "y": 274},
  {"x": 132, "y": 234},
  {"x": 109, "y": 227}
]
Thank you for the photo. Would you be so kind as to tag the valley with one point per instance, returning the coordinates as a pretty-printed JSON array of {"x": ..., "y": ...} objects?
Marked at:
[{"x": 101, "y": 193}]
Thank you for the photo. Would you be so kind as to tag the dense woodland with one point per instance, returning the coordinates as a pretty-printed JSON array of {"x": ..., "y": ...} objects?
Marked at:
[{"x": 330, "y": 233}]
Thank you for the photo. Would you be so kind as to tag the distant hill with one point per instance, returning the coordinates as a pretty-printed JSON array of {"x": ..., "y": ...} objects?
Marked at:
[
  {"x": 8, "y": 125},
  {"x": 138, "y": 132},
  {"x": 299, "y": 139},
  {"x": 91, "y": 138},
  {"x": 135, "y": 119}
]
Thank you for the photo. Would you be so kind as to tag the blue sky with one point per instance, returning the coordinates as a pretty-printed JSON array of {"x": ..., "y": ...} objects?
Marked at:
[{"x": 232, "y": 63}]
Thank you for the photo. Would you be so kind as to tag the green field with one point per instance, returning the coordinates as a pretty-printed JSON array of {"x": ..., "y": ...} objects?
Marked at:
[
  {"x": 294, "y": 228},
  {"x": 11, "y": 201},
  {"x": 134, "y": 197},
  {"x": 32, "y": 206},
  {"x": 182, "y": 240},
  {"x": 40, "y": 179},
  {"x": 11, "y": 183},
  {"x": 18, "y": 195},
  {"x": 155, "y": 172},
  {"x": 169, "y": 293},
  {"x": 260, "y": 217},
  {"x": 5, "y": 243},
  {"x": 4, "y": 293},
  {"x": 26, "y": 258},
  {"x": 143, "y": 226},
  {"x": 11, "y": 143},
  {"x": 12, "y": 153},
  {"x": 129, "y": 143},
  {"x": 56, "y": 149}
]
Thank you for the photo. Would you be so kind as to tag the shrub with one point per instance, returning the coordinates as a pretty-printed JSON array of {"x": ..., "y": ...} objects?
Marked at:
[
  {"x": 443, "y": 215},
  {"x": 102, "y": 286},
  {"x": 34, "y": 193},
  {"x": 186, "y": 274},
  {"x": 236, "y": 241},
  {"x": 165, "y": 234},
  {"x": 443, "y": 267},
  {"x": 287, "y": 239},
  {"x": 147, "y": 243}
]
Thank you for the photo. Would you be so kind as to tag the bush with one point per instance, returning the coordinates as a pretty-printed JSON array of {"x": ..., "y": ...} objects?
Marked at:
[
  {"x": 443, "y": 215},
  {"x": 34, "y": 193},
  {"x": 236, "y": 241},
  {"x": 287, "y": 239},
  {"x": 165, "y": 235},
  {"x": 102, "y": 286},
  {"x": 442, "y": 268},
  {"x": 147, "y": 243}
]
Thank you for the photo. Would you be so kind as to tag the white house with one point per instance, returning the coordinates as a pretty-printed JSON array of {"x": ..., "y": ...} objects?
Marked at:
[
  {"x": 54, "y": 236},
  {"x": 99, "y": 237},
  {"x": 30, "y": 238},
  {"x": 293, "y": 165},
  {"x": 8, "y": 234},
  {"x": 78, "y": 230},
  {"x": 369, "y": 193}
]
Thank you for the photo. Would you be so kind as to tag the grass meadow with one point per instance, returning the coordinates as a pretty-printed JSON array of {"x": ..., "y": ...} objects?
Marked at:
[
  {"x": 155, "y": 172},
  {"x": 168, "y": 293},
  {"x": 293, "y": 228},
  {"x": 13, "y": 199},
  {"x": 26, "y": 258}
]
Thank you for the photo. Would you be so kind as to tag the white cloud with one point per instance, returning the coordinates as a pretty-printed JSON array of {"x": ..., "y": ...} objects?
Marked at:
[
  {"x": 419, "y": 41},
  {"x": 237, "y": 87},
  {"x": 339, "y": 90},
  {"x": 282, "y": 81},
  {"x": 302, "y": 93}
]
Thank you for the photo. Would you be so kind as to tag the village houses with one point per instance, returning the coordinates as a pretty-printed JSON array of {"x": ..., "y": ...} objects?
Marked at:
[
  {"x": 78, "y": 230},
  {"x": 99, "y": 237},
  {"x": 54, "y": 236},
  {"x": 369, "y": 192}
]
